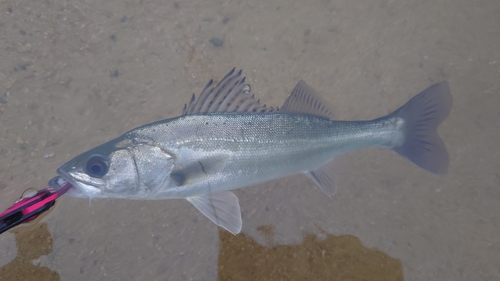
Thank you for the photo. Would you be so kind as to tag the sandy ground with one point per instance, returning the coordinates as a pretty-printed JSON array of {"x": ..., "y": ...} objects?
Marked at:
[{"x": 74, "y": 74}]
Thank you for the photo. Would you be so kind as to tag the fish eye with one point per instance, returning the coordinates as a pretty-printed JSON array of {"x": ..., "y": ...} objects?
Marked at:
[{"x": 96, "y": 166}]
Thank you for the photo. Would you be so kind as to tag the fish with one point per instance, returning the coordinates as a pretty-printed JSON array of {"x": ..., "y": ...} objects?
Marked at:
[{"x": 226, "y": 140}]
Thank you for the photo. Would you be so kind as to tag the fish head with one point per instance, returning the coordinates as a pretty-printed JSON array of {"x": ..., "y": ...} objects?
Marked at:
[{"x": 120, "y": 168}]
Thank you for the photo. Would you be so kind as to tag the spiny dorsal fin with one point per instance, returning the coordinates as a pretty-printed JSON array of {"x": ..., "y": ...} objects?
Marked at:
[
  {"x": 305, "y": 100},
  {"x": 231, "y": 94}
]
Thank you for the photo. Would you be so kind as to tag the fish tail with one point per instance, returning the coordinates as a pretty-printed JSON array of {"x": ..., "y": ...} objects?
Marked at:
[{"x": 422, "y": 115}]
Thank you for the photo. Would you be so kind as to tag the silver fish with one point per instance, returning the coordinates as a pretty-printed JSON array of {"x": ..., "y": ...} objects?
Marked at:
[{"x": 226, "y": 140}]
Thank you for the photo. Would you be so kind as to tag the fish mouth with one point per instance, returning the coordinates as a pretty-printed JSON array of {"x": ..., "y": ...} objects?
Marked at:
[{"x": 76, "y": 191}]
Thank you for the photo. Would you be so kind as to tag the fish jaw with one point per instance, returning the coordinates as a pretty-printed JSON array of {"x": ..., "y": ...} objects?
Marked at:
[{"x": 81, "y": 189}]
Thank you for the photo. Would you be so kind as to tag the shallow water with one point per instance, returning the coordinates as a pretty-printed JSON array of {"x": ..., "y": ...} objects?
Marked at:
[{"x": 74, "y": 74}]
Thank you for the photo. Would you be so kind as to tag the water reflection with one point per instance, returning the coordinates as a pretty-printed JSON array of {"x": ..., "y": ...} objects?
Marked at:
[
  {"x": 32, "y": 241},
  {"x": 318, "y": 257},
  {"x": 333, "y": 258}
]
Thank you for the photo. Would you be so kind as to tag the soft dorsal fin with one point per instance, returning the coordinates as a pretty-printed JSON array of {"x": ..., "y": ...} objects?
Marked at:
[
  {"x": 306, "y": 100},
  {"x": 231, "y": 94}
]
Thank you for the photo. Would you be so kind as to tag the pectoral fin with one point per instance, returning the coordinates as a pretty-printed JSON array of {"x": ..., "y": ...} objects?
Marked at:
[
  {"x": 222, "y": 208},
  {"x": 198, "y": 171}
]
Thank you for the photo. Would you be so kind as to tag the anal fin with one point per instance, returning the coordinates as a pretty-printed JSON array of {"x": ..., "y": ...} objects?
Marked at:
[
  {"x": 222, "y": 208},
  {"x": 324, "y": 178}
]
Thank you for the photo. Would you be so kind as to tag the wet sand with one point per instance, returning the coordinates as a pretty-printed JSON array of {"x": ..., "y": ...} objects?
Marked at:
[{"x": 76, "y": 74}]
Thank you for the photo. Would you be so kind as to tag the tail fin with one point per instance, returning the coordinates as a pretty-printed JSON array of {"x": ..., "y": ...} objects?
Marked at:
[{"x": 422, "y": 115}]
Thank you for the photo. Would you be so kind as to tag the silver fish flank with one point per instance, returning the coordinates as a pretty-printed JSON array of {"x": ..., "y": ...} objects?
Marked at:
[{"x": 226, "y": 140}]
